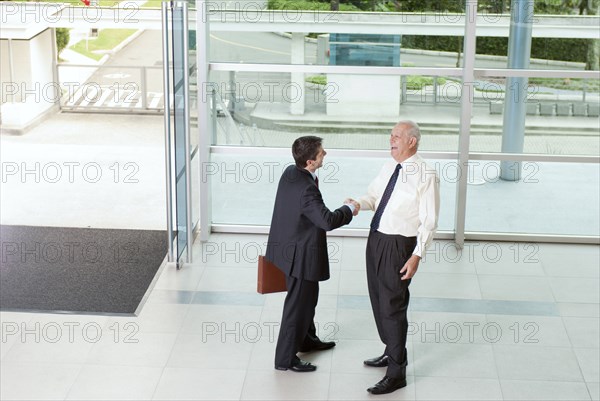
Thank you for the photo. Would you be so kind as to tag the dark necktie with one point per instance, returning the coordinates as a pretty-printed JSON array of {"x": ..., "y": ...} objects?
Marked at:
[
  {"x": 317, "y": 181},
  {"x": 385, "y": 198}
]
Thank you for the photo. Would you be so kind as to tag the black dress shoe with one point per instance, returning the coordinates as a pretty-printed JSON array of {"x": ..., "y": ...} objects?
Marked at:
[
  {"x": 387, "y": 385},
  {"x": 298, "y": 365},
  {"x": 377, "y": 362},
  {"x": 317, "y": 346}
]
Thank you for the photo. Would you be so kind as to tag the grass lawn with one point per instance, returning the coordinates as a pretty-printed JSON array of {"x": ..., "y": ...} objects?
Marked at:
[
  {"x": 152, "y": 4},
  {"x": 590, "y": 85},
  {"x": 107, "y": 39},
  {"x": 103, "y": 3}
]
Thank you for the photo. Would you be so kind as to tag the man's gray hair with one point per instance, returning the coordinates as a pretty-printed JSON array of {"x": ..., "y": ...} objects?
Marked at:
[{"x": 412, "y": 129}]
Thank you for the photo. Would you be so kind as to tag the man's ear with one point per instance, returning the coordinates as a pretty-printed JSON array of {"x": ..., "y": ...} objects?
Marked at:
[{"x": 413, "y": 142}]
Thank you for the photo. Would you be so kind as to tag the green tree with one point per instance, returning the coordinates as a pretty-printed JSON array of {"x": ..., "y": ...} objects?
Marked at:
[
  {"x": 62, "y": 39},
  {"x": 591, "y": 7},
  {"x": 580, "y": 7}
]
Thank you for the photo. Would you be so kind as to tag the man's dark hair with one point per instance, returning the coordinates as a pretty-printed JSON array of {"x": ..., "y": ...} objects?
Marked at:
[{"x": 306, "y": 148}]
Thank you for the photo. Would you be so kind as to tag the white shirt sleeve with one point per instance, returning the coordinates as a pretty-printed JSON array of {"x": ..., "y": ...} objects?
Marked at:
[{"x": 429, "y": 209}]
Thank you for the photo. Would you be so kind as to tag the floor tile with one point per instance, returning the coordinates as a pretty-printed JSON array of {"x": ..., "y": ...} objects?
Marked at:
[
  {"x": 584, "y": 332},
  {"x": 516, "y": 259},
  {"x": 201, "y": 318},
  {"x": 130, "y": 348},
  {"x": 594, "y": 390},
  {"x": 285, "y": 385},
  {"x": 154, "y": 318},
  {"x": 356, "y": 325},
  {"x": 228, "y": 279},
  {"x": 445, "y": 257},
  {"x": 37, "y": 381},
  {"x": 226, "y": 350},
  {"x": 589, "y": 362},
  {"x": 527, "y": 362},
  {"x": 448, "y": 328},
  {"x": 200, "y": 384},
  {"x": 560, "y": 260},
  {"x": 97, "y": 382},
  {"x": 353, "y": 282},
  {"x": 513, "y": 288},
  {"x": 456, "y": 388},
  {"x": 569, "y": 309},
  {"x": 186, "y": 278},
  {"x": 55, "y": 343},
  {"x": 455, "y": 360},
  {"x": 479, "y": 328},
  {"x": 543, "y": 390},
  {"x": 463, "y": 286},
  {"x": 526, "y": 330},
  {"x": 568, "y": 289}
]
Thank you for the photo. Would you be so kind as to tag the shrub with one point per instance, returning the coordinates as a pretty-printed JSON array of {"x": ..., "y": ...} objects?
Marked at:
[{"x": 62, "y": 39}]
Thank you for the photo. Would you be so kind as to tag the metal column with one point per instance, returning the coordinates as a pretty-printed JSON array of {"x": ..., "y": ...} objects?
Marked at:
[
  {"x": 466, "y": 107},
  {"x": 515, "y": 97}
]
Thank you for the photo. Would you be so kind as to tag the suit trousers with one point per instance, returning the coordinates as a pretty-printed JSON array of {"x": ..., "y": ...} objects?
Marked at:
[
  {"x": 297, "y": 319},
  {"x": 385, "y": 256}
]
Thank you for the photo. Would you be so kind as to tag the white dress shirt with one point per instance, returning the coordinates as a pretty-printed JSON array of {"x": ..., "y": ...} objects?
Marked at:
[{"x": 414, "y": 206}]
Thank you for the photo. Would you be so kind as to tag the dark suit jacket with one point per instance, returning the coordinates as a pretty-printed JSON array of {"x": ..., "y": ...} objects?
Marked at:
[{"x": 297, "y": 242}]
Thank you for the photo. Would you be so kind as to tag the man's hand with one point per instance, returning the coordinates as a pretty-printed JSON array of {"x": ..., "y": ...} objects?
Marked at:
[
  {"x": 355, "y": 204},
  {"x": 410, "y": 267}
]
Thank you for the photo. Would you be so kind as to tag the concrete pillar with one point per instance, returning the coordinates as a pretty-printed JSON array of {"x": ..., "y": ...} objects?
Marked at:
[
  {"x": 27, "y": 74},
  {"x": 295, "y": 94},
  {"x": 515, "y": 100}
]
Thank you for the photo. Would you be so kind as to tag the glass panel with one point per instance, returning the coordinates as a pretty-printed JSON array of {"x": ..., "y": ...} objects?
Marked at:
[
  {"x": 561, "y": 115},
  {"x": 348, "y": 111},
  {"x": 179, "y": 127},
  {"x": 338, "y": 49},
  {"x": 114, "y": 88},
  {"x": 550, "y": 198},
  {"x": 195, "y": 133},
  {"x": 242, "y": 183},
  {"x": 548, "y": 18}
]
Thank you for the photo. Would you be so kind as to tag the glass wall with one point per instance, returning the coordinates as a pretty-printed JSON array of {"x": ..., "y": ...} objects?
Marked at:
[
  {"x": 351, "y": 80},
  {"x": 249, "y": 182},
  {"x": 550, "y": 198}
]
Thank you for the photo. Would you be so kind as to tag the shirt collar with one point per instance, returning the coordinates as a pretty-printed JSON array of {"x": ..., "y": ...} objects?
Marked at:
[{"x": 411, "y": 159}]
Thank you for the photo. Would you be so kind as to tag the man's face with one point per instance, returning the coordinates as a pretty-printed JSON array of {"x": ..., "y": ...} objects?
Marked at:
[
  {"x": 313, "y": 165},
  {"x": 400, "y": 144}
]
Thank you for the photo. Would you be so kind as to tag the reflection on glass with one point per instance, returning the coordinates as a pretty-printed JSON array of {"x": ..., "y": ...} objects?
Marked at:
[
  {"x": 363, "y": 49},
  {"x": 254, "y": 109},
  {"x": 495, "y": 205},
  {"x": 561, "y": 116}
]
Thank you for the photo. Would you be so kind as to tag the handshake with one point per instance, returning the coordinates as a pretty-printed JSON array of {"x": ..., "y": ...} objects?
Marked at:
[{"x": 356, "y": 205}]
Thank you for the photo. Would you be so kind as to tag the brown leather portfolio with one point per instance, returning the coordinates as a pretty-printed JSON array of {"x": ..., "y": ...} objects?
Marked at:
[{"x": 270, "y": 278}]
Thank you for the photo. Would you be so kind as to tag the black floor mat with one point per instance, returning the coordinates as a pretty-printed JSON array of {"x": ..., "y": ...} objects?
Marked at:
[{"x": 77, "y": 269}]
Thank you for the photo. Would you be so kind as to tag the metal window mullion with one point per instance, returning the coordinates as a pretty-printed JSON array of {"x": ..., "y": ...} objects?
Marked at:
[
  {"x": 466, "y": 108},
  {"x": 336, "y": 69},
  {"x": 204, "y": 128},
  {"x": 167, "y": 122},
  {"x": 187, "y": 142},
  {"x": 528, "y": 157},
  {"x": 531, "y": 73}
]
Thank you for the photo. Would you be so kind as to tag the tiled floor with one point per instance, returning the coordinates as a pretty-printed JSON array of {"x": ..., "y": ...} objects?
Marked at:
[{"x": 503, "y": 326}]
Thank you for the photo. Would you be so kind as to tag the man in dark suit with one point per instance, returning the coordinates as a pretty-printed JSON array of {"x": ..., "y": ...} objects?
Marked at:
[{"x": 297, "y": 245}]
